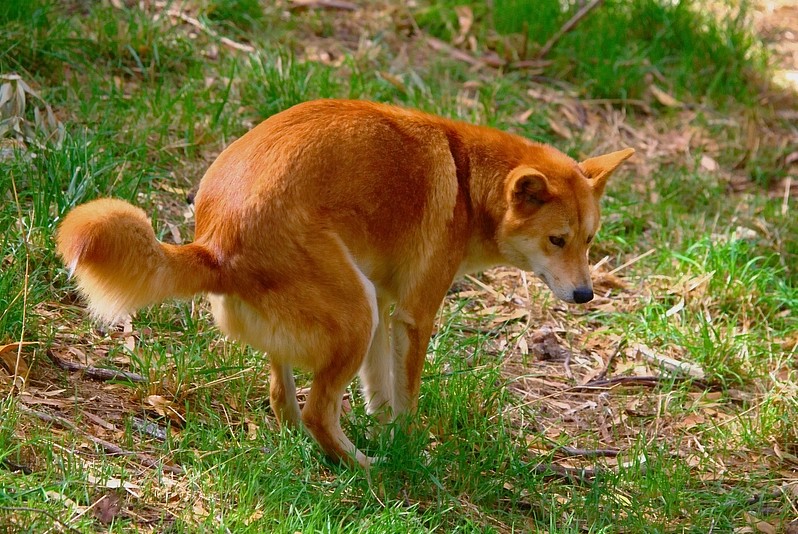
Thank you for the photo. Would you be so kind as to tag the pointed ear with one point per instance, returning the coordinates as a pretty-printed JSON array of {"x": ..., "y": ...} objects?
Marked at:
[
  {"x": 600, "y": 168},
  {"x": 527, "y": 186}
]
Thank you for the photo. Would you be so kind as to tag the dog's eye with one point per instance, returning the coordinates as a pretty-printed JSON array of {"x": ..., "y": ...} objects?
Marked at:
[{"x": 557, "y": 241}]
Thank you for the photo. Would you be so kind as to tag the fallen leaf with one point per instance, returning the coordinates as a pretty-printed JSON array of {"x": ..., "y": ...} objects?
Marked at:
[
  {"x": 465, "y": 19},
  {"x": 709, "y": 164},
  {"x": 676, "y": 308},
  {"x": 664, "y": 98},
  {"x": 523, "y": 117},
  {"x": 257, "y": 514},
  {"x": 559, "y": 129},
  {"x": 9, "y": 358},
  {"x": 165, "y": 408},
  {"x": 393, "y": 80},
  {"x": 107, "y": 507},
  {"x": 130, "y": 339}
]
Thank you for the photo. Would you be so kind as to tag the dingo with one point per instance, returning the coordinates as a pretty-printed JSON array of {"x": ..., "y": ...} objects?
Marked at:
[{"x": 329, "y": 234}]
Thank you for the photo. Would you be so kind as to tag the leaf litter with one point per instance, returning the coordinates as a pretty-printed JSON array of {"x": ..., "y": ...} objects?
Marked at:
[{"x": 550, "y": 354}]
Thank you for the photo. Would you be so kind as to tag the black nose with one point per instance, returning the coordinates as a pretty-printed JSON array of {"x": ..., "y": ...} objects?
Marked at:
[{"x": 582, "y": 295}]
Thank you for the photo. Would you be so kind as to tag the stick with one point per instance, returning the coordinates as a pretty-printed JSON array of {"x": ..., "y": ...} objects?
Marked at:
[
  {"x": 15, "y": 467},
  {"x": 633, "y": 261},
  {"x": 456, "y": 53},
  {"x": 96, "y": 373},
  {"x": 669, "y": 364},
  {"x": 785, "y": 202},
  {"x": 589, "y": 453},
  {"x": 567, "y": 365},
  {"x": 568, "y": 26},
  {"x": 109, "y": 447},
  {"x": 650, "y": 381},
  {"x": 606, "y": 369},
  {"x": 200, "y": 26},
  {"x": 583, "y": 475},
  {"x": 45, "y": 513},
  {"x": 325, "y": 4}
]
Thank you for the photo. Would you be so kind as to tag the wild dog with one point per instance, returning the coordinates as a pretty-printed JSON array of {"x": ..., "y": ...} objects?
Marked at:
[{"x": 328, "y": 236}]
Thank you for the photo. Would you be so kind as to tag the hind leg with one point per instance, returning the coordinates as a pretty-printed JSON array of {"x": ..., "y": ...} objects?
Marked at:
[
  {"x": 249, "y": 323},
  {"x": 282, "y": 394},
  {"x": 376, "y": 374},
  {"x": 322, "y": 318},
  {"x": 322, "y": 413}
]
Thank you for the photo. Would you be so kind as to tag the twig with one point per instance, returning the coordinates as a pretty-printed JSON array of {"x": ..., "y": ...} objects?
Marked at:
[
  {"x": 456, "y": 53},
  {"x": 200, "y": 26},
  {"x": 324, "y": 4},
  {"x": 15, "y": 467},
  {"x": 603, "y": 374},
  {"x": 674, "y": 367},
  {"x": 568, "y": 26},
  {"x": 633, "y": 261},
  {"x": 636, "y": 381},
  {"x": 96, "y": 373},
  {"x": 589, "y": 453},
  {"x": 45, "y": 513},
  {"x": 583, "y": 475},
  {"x": 109, "y": 447},
  {"x": 785, "y": 202},
  {"x": 567, "y": 365}
]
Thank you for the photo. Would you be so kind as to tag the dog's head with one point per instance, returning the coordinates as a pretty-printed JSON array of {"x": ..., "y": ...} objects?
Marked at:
[{"x": 552, "y": 216}]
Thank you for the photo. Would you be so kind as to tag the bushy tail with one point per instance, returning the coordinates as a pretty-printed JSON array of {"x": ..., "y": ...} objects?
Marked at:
[{"x": 110, "y": 246}]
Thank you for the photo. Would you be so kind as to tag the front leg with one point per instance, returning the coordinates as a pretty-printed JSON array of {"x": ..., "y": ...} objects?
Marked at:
[{"x": 412, "y": 323}]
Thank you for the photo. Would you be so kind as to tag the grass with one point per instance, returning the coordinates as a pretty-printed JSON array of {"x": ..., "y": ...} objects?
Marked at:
[
  {"x": 146, "y": 103},
  {"x": 620, "y": 49}
]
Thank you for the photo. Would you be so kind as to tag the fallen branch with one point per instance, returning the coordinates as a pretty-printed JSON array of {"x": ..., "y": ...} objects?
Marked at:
[
  {"x": 583, "y": 475},
  {"x": 567, "y": 365},
  {"x": 96, "y": 373},
  {"x": 603, "y": 374},
  {"x": 456, "y": 53},
  {"x": 15, "y": 467},
  {"x": 568, "y": 26},
  {"x": 107, "y": 446},
  {"x": 589, "y": 453},
  {"x": 649, "y": 381},
  {"x": 45, "y": 513},
  {"x": 324, "y": 4},
  {"x": 670, "y": 365},
  {"x": 203, "y": 28}
]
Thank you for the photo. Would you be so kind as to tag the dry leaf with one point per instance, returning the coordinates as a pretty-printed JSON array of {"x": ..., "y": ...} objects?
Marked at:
[
  {"x": 676, "y": 308},
  {"x": 559, "y": 129},
  {"x": 107, "y": 508},
  {"x": 465, "y": 19},
  {"x": 165, "y": 408},
  {"x": 709, "y": 164},
  {"x": 664, "y": 98},
  {"x": 130, "y": 339},
  {"x": 523, "y": 117},
  {"x": 257, "y": 514},
  {"x": 12, "y": 361},
  {"x": 393, "y": 80}
]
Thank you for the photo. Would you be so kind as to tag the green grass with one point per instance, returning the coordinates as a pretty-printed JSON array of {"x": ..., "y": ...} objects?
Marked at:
[
  {"x": 145, "y": 107},
  {"x": 623, "y": 47}
]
